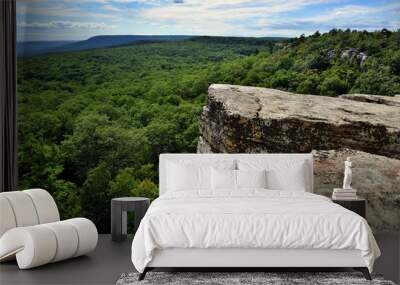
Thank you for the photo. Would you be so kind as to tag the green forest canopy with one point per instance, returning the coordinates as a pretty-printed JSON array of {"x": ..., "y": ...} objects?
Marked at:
[{"x": 93, "y": 123}]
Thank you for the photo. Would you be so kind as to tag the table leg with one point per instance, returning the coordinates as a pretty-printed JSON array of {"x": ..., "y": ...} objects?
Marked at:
[
  {"x": 124, "y": 220},
  {"x": 140, "y": 211},
  {"x": 117, "y": 222}
]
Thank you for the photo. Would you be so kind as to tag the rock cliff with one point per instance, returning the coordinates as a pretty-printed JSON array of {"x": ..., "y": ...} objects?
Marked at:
[
  {"x": 365, "y": 127},
  {"x": 385, "y": 100}
]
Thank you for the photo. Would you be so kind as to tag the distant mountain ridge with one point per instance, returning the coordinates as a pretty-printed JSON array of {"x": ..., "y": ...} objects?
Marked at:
[
  {"x": 27, "y": 49},
  {"x": 109, "y": 41}
]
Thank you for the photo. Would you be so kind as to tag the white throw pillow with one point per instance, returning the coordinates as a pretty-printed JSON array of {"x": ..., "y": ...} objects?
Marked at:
[
  {"x": 251, "y": 178},
  {"x": 223, "y": 179},
  {"x": 182, "y": 177},
  {"x": 281, "y": 174},
  {"x": 288, "y": 176}
]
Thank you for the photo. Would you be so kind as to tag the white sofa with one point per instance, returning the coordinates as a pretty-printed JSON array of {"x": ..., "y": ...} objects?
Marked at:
[{"x": 31, "y": 231}]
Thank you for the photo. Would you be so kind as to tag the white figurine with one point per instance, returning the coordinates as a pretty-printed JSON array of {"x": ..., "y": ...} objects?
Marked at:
[{"x": 347, "y": 174}]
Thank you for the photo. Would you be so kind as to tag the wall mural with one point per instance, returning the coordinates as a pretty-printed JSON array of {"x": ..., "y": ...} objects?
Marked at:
[{"x": 105, "y": 86}]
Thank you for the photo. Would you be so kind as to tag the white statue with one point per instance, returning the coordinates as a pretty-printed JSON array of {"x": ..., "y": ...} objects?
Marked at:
[{"x": 347, "y": 174}]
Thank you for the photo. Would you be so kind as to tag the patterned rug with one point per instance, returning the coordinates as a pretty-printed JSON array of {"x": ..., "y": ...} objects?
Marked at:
[{"x": 244, "y": 278}]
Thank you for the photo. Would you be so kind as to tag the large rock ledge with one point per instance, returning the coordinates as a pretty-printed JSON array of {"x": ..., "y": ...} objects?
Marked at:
[
  {"x": 251, "y": 119},
  {"x": 367, "y": 128}
]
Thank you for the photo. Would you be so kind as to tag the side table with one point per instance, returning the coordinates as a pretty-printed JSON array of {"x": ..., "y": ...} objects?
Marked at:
[
  {"x": 358, "y": 205},
  {"x": 119, "y": 209}
]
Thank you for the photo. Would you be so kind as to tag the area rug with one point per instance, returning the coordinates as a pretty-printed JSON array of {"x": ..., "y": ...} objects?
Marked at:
[{"x": 244, "y": 278}]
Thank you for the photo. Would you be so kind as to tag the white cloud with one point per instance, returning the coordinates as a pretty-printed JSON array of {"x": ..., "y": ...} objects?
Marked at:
[
  {"x": 219, "y": 16},
  {"x": 65, "y": 1},
  {"x": 58, "y": 10},
  {"x": 111, "y": 8},
  {"x": 353, "y": 12},
  {"x": 64, "y": 25},
  {"x": 263, "y": 17},
  {"x": 350, "y": 16},
  {"x": 137, "y": 1}
]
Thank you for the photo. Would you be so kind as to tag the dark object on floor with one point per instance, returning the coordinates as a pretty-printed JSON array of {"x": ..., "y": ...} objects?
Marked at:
[
  {"x": 143, "y": 274},
  {"x": 244, "y": 278},
  {"x": 119, "y": 209},
  {"x": 357, "y": 206},
  {"x": 364, "y": 271}
]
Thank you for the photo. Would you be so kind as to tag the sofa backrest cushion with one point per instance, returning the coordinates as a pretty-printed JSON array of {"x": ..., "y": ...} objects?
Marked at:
[
  {"x": 26, "y": 208},
  {"x": 7, "y": 218},
  {"x": 45, "y": 205}
]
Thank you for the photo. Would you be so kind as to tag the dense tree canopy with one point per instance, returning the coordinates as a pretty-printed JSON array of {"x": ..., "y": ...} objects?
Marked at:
[{"x": 93, "y": 123}]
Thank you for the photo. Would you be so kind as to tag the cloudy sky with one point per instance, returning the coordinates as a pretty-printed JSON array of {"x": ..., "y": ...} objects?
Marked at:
[{"x": 81, "y": 19}]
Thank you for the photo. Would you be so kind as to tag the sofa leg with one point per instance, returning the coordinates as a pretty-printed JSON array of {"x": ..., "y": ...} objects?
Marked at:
[
  {"x": 142, "y": 275},
  {"x": 364, "y": 271}
]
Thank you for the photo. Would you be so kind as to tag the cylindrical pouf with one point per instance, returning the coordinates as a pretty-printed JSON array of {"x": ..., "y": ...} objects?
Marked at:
[
  {"x": 87, "y": 235},
  {"x": 33, "y": 246}
]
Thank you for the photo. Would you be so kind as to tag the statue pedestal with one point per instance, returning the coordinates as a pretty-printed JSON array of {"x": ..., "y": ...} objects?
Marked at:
[
  {"x": 344, "y": 194},
  {"x": 344, "y": 190}
]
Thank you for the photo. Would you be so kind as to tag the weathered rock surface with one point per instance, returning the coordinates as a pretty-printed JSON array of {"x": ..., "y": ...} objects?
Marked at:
[
  {"x": 253, "y": 120},
  {"x": 375, "y": 99},
  {"x": 376, "y": 178}
]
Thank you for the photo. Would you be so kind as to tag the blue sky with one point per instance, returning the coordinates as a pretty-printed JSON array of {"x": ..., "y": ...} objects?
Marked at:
[{"x": 81, "y": 19}]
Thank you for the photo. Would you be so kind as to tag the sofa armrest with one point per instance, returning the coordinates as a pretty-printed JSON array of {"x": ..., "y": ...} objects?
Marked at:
[
  {"x": 32, "y": 246},
  {"x": 40, "y": 244}
]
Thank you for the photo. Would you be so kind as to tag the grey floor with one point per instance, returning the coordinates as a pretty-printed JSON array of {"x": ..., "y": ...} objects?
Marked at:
[
  {"x": 110, "y": 260},
  {"x": 104, "y": 266}
]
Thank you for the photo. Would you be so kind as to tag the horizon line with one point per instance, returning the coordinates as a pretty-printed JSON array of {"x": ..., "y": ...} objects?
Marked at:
[
  {"x": 156, "y": 35},
  {"x": 214, "y": 36}
]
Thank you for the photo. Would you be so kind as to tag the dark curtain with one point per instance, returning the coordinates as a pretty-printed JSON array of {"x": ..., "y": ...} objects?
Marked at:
[{"x": 8, "y": 102}]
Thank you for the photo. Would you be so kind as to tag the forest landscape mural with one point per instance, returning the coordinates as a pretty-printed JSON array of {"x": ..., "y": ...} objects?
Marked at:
[{"x": 105, "y": 86}]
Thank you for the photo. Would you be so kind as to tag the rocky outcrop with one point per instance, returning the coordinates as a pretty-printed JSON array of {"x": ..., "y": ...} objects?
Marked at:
[
  {"x": 353, "y": 53},
  {"x": 376, "y": 178},
  {"x": 375, "y": 99},
  {"x": 253, "y": 120}
]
